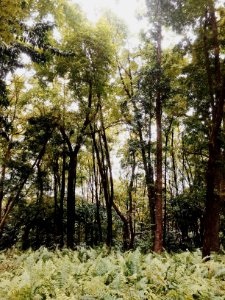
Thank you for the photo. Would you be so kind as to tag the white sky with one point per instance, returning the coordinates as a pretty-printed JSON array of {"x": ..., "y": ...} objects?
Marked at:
[{"x": 128, "y": 11}]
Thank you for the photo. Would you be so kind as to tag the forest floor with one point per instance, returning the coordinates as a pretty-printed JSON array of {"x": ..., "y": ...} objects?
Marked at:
[{"x": 89, "y": 274}]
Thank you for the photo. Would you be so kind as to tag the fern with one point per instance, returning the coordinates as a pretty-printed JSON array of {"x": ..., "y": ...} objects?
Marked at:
[{"x": 88, "y": 274}]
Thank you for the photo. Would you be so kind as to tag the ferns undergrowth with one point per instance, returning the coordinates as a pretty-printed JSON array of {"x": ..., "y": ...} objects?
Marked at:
[{"x": 90, "y": 274}]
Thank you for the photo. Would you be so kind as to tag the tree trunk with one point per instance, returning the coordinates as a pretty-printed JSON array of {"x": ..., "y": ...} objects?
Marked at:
[
  {"x": 109, "y": 181},
  {"x": 105, "y": 184},
  {"x": 73, "y": 156},
  {"x": 213, "y": 173},
  {"x": 174, "y": 163},
  {"x": 130, "y": 209},
  {"x": 212, "y": 209},
  {"x": 166, "y": 227},
  {"x": 62, "y": 195},
  {"x": 71, "y": 200},
  {"x": 56, "y": 183},
  {"x": 98, "y": 236},
  {"x": 2, "y": 178},
  {"x": 158, "y": 243}
]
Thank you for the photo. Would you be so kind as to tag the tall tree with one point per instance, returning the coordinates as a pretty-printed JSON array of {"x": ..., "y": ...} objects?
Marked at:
[
  {"x": 155, "y": 8},
  {"x": 205, "y": 21},
  {"x": 88, "y": 74},
  {"x": 213, "y": 172}
]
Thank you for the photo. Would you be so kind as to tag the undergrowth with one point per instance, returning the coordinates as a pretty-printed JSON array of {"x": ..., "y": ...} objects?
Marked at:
[{"x": 90, "y": 274}]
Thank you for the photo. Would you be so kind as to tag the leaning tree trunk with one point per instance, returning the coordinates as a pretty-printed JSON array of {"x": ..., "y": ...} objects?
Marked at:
[
  {"x": 104, "y": 181},
  {"x": 109, "y": 180},
  {"x": 98, "y": 234}
]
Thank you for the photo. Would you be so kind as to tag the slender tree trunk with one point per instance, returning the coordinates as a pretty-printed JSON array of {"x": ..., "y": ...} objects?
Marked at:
[
  {"x": 105, "y": 185},
  {"x": 56, "y": 198},
  {"x": 186, "y": 165},
  {"x": 109, "y": 181},
  {"x": 158, "y": 243},
  {"x": 130, "y": 210},
  {"x": 174, "y": 162},
  {"x": 63, "y": 175},
  {"x": 166, "y": 229},
  {"x": 149, "y": 181},
  {"x": 71, "y": 200},
  {"x": 98, "y": 218},
  {"x": 2, "y": 178},
  {"x": 126, "y": 228},
  {"x": 62, "y": 195}
]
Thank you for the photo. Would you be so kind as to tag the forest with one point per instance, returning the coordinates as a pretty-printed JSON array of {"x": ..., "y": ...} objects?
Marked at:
[
  {"x": 112, "y": 157},
  {"x": 107, "y": 145}
]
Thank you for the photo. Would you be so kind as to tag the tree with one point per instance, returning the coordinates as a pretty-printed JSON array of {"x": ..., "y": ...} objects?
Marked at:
[
  {"x": 137, "y": 110},
  {"x": 208, "y": 98},
  {"x": 158, "y": 243},
  {"x": 213, "y": 172},
  {"x": 88, "y": 74}
]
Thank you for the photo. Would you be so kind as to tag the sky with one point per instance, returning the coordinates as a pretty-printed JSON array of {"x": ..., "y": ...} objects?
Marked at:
[{"x": 128, "y": 11}]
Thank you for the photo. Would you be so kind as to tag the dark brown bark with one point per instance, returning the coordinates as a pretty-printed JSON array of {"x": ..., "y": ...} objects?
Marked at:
[
  {"x": 71, "y": 198},
  {"x": 56, "y": 188},
  {"x": 63, "y": 178},
  {"x": 72, "y": 170},
  {"x": 62, "y": 195},
  {"x": 213, "y": 173},
  {"x": 109, "y": 180},
  {"x": 212, "y": 208}
]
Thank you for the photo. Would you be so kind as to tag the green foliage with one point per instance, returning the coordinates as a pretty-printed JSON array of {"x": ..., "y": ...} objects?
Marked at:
[
  {"x": 73, "y": 85},
  {"x": 96, "y": 274}
]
